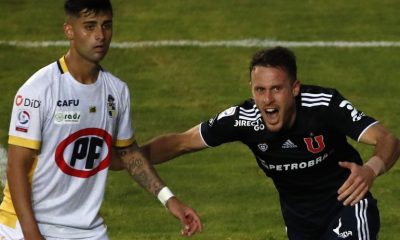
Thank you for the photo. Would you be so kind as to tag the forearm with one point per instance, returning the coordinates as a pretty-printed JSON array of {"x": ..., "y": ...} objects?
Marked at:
[
  {"x": 20, "y": 191},
  {"x": 163, "y": 148},
  {"x": 387, "y": 150},
  {"x": 22, "y": 204},
  {"x": 141, "y": 170},
  {"x": 169, "y": 146}
]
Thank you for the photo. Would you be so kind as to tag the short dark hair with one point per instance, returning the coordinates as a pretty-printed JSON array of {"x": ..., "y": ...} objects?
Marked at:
[
  {"x": 75, "y": 7},
  {"x": 276, "y": 57}
]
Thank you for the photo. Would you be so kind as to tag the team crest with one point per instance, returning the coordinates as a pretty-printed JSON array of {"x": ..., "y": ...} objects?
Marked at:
[
  {"x": 111, "y": 106},
  {"x": 315, "y": 144}
]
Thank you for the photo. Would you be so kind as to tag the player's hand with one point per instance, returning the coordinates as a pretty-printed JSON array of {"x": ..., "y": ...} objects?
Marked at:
[
  {"x": 188, "y": 217},
  {"x": 357, "y": 184}
]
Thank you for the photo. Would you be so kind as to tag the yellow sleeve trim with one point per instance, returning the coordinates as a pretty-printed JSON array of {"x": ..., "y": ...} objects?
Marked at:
[
  {"x": 8, "y": 216},
  {"x": 8, "y": 219},
  {"x": 124, "y": 143},
  {"x": 23, "y": 142}
]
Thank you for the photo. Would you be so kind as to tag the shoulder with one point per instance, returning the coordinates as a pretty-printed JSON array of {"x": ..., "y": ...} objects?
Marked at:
[
  {"x": 246, "y": 109},
  {"x": 114, "y": 80},
  {"x": 312, "y": 96},
  {"x": 41, "y": 80},
  {"x": 317, "y": 89},
  {"x": 241, "y": 117}
]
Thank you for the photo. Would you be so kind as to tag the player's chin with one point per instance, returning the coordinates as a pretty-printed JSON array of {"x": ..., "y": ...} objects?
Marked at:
[{"x": 273, "y": 126}]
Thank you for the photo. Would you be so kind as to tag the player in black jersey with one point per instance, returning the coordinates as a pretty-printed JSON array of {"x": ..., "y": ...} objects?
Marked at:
[{"x": 298, "y": 135}]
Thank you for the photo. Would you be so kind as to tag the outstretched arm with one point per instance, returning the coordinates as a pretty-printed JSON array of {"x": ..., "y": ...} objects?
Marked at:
[
  {"x": 169, "y": 146},
  {"x": 20, "y": 162},
  {"x": 387, "y": 151},
  {"x": 145, "y": 175}
]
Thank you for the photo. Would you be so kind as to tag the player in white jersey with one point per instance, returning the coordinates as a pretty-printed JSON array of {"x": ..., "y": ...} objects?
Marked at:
[{"x": 71, "y": 123}]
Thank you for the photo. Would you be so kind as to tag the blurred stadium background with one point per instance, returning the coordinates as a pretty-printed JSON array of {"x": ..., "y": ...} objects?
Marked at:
[{"x": 176, "y": 86}]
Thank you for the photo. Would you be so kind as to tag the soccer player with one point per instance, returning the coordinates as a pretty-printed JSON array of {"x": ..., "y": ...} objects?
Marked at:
[
  {"x": 297, "y": 134},
  {"x": 70, "y": 123}
]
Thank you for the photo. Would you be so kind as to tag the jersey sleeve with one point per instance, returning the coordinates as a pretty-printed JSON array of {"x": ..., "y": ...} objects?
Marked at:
[
  {"x": 220, "y": 129},
  {"x": 27, "y": 117},
  {"x": 347, "y": 118},
  {"x": 125, "y": 132}
]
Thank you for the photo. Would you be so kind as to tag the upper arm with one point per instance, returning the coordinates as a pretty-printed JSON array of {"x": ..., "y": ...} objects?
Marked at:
[
  {"x": 168, "y": 146},
  {"x": 191, "y": 140},
  {"x": 348, "y": 119},
  {"x": 20, "y": 160},
  {"x": 374, "y": 134},
  {"x": 387, "y": 145}
]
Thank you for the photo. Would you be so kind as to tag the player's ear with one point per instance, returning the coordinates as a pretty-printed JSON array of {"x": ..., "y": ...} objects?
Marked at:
[
  {"x": 68, "y": 31},
  {"x": 296, "y": 88}
]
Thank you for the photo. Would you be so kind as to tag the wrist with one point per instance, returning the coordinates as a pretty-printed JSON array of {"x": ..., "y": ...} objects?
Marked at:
[
  {"x": 377, "y": 165},
  {"x": 164, "y": 195}
]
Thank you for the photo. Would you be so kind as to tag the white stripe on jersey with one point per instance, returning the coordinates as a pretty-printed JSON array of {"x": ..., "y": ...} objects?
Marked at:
[
  {"x": 362, "y": 221},
  {"x": 250, "y": 119},
  {"x": 249, "y": 110},
  {"x": 249, "y": 114},
  {"x": 253, "y": 114},
  {"x": 315, "y": 104},
  {"x": 315, "y": 99},
  {"x": 316, "y": 95}
]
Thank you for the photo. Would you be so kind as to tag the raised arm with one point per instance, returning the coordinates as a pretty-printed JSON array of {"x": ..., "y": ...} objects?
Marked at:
[
  {"x": 169, "y": 146},
  {"x": 20, "y": 162},
  {"x": 386, "y": 153},
  {"x": 146, "y": 176}
]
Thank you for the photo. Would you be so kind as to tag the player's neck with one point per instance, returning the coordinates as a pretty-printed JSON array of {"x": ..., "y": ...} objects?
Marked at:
[{"x": 82, "y": 70}]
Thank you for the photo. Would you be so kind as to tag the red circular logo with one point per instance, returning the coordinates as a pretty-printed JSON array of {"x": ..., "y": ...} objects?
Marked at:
[
  {"x": 18, "y": 100},
  {"x": 84, "y": 153}
]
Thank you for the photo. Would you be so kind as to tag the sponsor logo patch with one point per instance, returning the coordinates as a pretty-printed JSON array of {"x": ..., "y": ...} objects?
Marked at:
[
  {"x": 257, "y": 125},
  {"x": 68, "y": 117},
  {"x": 293, "y": 166},
  {"x": 343, "y": 234},
  {"x": 355, "y": 114},
  {"x": 84, "y": 153},
  {"x": 68, "y": 103},
  {"x": 23, "y": 121},
  {"x": 228, "y": 112},
  {"x": 211, "y": 122},
  {"x": 26, "y": 102}
]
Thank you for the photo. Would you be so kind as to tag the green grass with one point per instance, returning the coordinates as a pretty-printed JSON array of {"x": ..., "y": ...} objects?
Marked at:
[{"x": 174, "y": 88}]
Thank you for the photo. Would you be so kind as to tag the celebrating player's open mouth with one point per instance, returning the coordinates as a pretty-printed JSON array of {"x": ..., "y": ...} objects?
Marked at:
[
  {"x": 272, "y": 118},
  {"x": 272, "y": 115}
]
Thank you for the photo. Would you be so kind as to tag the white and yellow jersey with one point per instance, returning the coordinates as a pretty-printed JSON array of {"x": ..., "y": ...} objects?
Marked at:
[{"x": 73, "y": 127}]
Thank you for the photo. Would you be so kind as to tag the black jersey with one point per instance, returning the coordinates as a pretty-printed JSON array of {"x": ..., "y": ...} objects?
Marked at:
[{"x": 303, "y": 160}]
